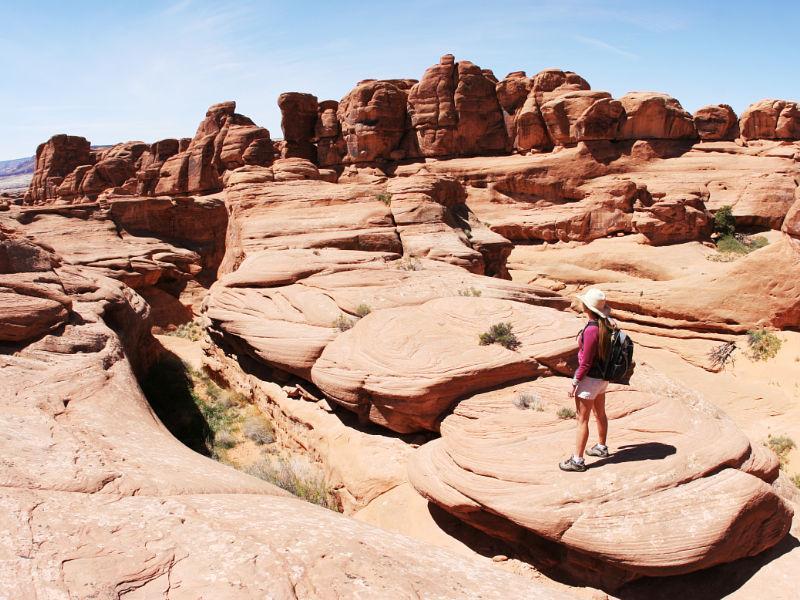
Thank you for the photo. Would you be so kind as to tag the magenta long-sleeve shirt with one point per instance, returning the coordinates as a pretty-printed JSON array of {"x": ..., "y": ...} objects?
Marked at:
[{"x": 587, "y": 349}]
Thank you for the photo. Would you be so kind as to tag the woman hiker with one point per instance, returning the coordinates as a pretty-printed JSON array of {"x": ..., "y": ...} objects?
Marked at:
[{"x": 588, "y": 386}]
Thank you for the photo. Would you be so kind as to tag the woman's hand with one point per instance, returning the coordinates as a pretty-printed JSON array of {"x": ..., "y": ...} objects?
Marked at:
[{"x": 571, "y": 392}]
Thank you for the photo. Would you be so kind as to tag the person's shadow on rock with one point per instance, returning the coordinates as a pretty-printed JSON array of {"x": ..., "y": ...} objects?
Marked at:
[{"x": 635, "y": 452}]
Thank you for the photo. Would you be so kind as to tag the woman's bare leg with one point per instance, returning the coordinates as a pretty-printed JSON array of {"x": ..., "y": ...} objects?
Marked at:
[
  {"x": 600, "y": 417},
  {"x": 584, "y": 409}
]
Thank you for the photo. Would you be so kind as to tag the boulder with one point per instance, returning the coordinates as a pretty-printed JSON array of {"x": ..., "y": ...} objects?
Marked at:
[
  {"x": 791, "y": 224},
  {"x": 327, "y": 135},
  {"x": 673, "y": 220},
  {"x": 771, "y": 120},
  {"x": 664, "y": 503},
  {"x": 114, "y": 167},
  {"x": 455, "y": 112},
  {"x": 430, "y": 356},
  {"x": 653, "y": 115},
  {"x": 716, "y": 122},
  {"x": 433, "y": 221},
  {"x": 298, "y": 121},
  {"x": 582, "y": 115},
  {"x": 32, "y": 297},
  {"x": 550, "y": 83},
  {"x": 55, "y": 159},
  {"x": 225, "y": 140},
  {"x": 151, "y": 162},
  {"x": 373, "y": 120}
]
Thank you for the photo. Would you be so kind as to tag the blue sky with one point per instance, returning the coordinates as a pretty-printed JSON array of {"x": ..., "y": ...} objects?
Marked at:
[{"x": 116, "y": 71}]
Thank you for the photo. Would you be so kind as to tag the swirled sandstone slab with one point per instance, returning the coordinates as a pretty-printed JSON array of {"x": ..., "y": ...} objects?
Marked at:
[
  {"x": 98, "y": 500},
  {"x": 403, "y": 367},
  {"x": 681, "y": 491},
  {"x": 283, "y": 305}
]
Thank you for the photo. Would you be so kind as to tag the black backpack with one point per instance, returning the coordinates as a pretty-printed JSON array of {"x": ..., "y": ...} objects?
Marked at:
[{"x": 618, "y": 365}]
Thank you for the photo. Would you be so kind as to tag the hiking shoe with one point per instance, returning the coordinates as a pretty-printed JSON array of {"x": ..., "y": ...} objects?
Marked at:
[
  {"x": 572, "y": 465},
  {"x": 598, "y": 450}
]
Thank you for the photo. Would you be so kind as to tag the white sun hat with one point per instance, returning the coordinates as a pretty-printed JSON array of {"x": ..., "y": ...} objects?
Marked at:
[{"x": 595, "y": 300}]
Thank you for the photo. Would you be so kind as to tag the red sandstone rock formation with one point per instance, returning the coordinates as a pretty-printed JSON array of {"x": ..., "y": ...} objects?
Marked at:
[
  {"x": 455, "y": 112},
  {"x": 716, "y": 122},
  {"x": 55, "y": 160},
  {"x": 582, "y": 116},
  {"x": 652, "y": 115},
  {"x": 771, "y": 120},
  {"x": 298, "y": 121},
  {"x": 372, "y": 118},
  {"x": 33, "y": 301},
  {"x": 629, "y": 515}
]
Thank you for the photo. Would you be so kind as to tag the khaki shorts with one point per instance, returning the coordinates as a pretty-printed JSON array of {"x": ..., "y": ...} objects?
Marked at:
[{"x": 590, "y": 388}]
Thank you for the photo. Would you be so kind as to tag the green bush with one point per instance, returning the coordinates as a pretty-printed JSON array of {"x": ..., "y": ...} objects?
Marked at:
[
  {"x": 796, "y": 479},
  {"x": 296, "y": 479},
  {"x": 763, "y": 344},
  {"x": 728, "y": 244},
  {"x": 500, "y": 333},
  {"x": 471, "y": 291},
  {"x": 524, "y": 400},
  {"x": 362, "y": 310},
  {"x": 566, "y": 413},
  {"x": 724, "y": 222},
  {"x": 191, "y": 330}
]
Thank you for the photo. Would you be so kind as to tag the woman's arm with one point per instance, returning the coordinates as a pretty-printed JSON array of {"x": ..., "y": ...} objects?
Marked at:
[{"x": 588, "y": 352}]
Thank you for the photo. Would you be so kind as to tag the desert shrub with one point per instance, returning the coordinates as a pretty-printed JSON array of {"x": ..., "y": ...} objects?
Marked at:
[
  {"x": 780, "y": 445},
  {"x": 258, "y": 430},
  {"x": 763, "y": 344},
  {"x": 224, "y": 439},
  {"x": 470, "y": 291},
  {"x": 525, "y": 400},
  {"x": 213, "y": 391},
  {"x": 191, "y": 330},
  {"x": 796, "y": 479},
  {"x": 721, "y": 355},
  {"x": 732, "y": 245},
  {"x": 724, "y": 222},
  {"x": 757, "y": 241},
  {"x": 410, "y": 263},
  {"x": 566, "y": 413},
  {"x": 386, "y": 198},
  {"x": 500, "y": 333},
  {"x": 296, "y": 479},
  {"x": 343, "y": 322},
  {"x": 362, "y": 310}
]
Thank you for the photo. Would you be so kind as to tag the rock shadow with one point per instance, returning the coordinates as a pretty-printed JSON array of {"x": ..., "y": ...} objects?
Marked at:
[
  {"x": 169, "y": 391},
  {"x": 709, "y": 584},
  {"x": 636, "y": 452}
]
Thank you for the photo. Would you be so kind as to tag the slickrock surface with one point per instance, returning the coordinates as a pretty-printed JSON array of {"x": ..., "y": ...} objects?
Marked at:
[
  {"x": 628, "y": 514},
  {"x": 364, "y": 254},
  {"x": 100, "y": 500},
  {"x": 429, "y": 356}
]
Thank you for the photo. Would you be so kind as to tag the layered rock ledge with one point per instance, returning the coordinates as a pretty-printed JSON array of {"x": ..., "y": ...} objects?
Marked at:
[{"x": 665, "y": 502}]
